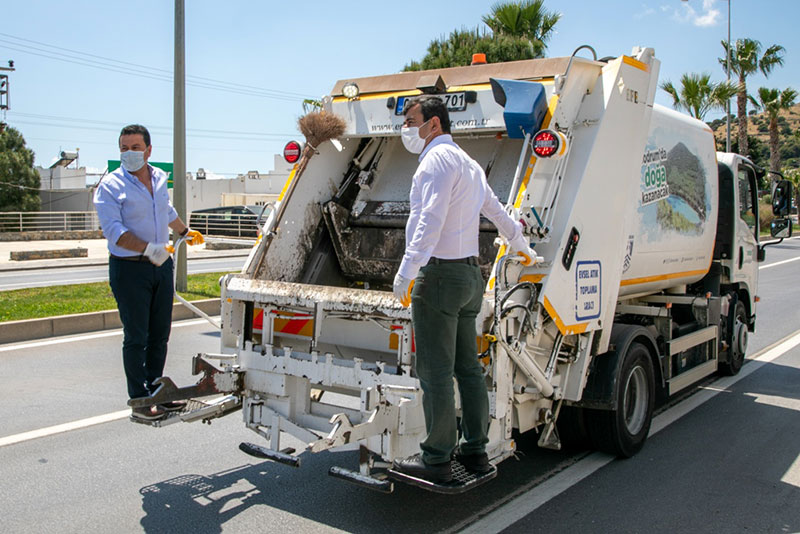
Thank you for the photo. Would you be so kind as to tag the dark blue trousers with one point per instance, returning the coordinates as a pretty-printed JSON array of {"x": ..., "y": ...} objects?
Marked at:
[{"x": 144, "y": 295}]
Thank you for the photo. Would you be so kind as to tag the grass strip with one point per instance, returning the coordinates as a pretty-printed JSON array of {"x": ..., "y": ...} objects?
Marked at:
[{"x": 38, "y": 302}]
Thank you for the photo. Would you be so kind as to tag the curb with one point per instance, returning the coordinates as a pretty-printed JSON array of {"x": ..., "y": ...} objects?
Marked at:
[
  {"x": 80, "y": 323},
  {"x": 63, "y": 264}
]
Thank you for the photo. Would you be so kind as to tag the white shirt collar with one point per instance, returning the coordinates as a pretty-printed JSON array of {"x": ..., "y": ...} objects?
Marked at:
[{"x": 439, "y": 139}]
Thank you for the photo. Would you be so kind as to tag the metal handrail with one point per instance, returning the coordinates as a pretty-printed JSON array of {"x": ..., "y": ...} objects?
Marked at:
[{"x": 48, "y": 221}]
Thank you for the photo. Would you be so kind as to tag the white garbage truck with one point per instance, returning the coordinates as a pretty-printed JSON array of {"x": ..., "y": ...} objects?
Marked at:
[{"x": 646, "y": 280}]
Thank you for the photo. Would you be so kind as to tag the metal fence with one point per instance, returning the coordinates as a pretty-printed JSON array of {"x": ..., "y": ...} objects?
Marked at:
[
  {"x": 48, "y": 221},
  {"x": 227, "y": 224}
]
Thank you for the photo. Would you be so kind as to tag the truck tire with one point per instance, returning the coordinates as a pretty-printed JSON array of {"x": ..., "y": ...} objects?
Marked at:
[
  {"x": 623, "y": 430},
  {"x": 736, "y": 339}
]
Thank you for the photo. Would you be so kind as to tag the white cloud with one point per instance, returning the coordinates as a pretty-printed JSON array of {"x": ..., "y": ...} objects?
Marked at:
[
  {"x": 645, "y": 12},
  {"x": 707, "y": 16}
]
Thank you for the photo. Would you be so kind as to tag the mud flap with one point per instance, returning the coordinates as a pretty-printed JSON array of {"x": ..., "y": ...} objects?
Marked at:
[{"x": 463, "y": 480}]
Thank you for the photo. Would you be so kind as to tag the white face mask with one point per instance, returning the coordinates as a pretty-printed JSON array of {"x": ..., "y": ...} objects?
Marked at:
[
  {"x": 131, "y": 160},
  {"x": 411, "y": 139}
]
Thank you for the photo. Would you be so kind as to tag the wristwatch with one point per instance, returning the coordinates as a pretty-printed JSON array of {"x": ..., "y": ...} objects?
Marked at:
[{"x": 185, "y": 231}]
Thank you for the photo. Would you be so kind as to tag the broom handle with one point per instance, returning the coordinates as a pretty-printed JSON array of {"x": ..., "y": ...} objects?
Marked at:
[{"x": 308, "y": 151}]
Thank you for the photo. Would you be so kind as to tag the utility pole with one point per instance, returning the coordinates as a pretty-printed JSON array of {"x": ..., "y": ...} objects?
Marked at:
[
  {"x": 179, "y": 136},
  {"x": 728, "y": 71},
  {"x": 5, "y": 93}
]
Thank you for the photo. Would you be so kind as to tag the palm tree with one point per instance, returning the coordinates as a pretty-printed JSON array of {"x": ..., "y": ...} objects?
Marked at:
[
  {"x": 698, "y": 94},
  {"x": 745, "y": 60},
  {"x": 526, "y": 18},
  {"x": 773, "y": 101}
]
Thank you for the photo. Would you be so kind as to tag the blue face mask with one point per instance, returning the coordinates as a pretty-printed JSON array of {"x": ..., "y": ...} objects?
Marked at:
[{"x": 131, "y": 160}]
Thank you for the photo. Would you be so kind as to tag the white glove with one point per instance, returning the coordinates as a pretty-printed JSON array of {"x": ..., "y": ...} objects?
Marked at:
[
  {"x": 520, "y": 247},
  {"x": 156, "y": 253},
  {"x": 402, "y": 289}
]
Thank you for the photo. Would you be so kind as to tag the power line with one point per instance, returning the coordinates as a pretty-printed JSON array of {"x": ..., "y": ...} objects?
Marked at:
[
  {"x": 143, "y": 71},
  {"x": 147, "y": 68}
]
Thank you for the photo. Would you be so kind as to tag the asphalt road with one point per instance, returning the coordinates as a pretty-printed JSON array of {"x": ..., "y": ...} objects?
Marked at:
[
  {"x": 730, "y": 465},
  {"x": 99, "y": 273}
]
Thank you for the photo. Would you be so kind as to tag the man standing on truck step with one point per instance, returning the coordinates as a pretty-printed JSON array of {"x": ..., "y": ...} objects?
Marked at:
[
  {"x": 136, "y": 214},
  {"x": 440, "y": 276}
]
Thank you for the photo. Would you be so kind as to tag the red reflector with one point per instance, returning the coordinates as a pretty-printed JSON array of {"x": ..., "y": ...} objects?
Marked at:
[
  {"x": 545, "y": 144},
  {"x": 291, "y": 152}
]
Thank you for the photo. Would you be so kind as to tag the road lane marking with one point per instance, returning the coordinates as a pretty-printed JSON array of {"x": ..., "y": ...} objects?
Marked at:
[
  {"x": 86, "y": 337},
  {"x": 66, "y": 427},
  {"x": 778, "y": 263},
  {"x": 527, "y": 502}
]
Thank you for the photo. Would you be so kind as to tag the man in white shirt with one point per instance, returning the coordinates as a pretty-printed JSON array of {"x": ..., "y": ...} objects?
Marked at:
[{"x": 440, "y": 275}]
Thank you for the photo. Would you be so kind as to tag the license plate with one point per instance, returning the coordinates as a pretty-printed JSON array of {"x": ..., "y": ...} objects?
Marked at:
[{"x": 453, "y": 101}]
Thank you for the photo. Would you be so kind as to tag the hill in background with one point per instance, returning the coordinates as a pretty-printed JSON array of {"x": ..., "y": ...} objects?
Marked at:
[{"x": 758, "y": 131}]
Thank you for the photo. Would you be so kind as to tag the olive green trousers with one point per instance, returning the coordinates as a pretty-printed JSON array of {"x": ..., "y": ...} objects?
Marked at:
[{"x": 446, "y": 300}]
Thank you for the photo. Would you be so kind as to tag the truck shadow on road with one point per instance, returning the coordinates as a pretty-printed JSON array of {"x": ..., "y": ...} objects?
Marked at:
[{"x": 731, "y": 463}]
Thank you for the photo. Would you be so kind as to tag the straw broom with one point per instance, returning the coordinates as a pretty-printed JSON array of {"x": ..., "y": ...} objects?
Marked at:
[{"x": 317, "y": 127}]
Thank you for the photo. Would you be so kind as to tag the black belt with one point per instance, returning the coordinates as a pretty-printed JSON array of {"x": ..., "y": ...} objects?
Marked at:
[
  {"x": 472, "y": 260},
  {"x": 140, "y": 258}
]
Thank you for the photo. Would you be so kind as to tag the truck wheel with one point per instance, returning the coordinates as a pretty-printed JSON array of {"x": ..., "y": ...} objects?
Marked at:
[
  {"x": 737, "y": 342},
  {"x": 622, "y": 431}
]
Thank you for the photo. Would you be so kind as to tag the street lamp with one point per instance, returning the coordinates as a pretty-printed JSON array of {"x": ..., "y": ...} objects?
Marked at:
[{"x": 728, "y": 73}]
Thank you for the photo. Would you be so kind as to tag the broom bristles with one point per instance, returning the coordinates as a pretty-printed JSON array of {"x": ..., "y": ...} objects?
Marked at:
[{"x": 319, "y": 127}]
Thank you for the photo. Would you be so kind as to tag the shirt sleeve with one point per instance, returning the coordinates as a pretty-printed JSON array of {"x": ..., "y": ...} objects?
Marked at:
[
  {"x": 109, "y": 212},
  {"x": 434, "y": 179},
  {"x": 494, "y": 211}
]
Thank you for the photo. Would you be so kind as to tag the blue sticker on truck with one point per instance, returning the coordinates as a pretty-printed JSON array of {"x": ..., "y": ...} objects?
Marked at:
[{"x": 588, "y": 277}]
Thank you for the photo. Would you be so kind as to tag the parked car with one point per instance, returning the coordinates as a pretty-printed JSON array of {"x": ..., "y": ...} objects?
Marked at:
[{"x": 233, "y": 221}]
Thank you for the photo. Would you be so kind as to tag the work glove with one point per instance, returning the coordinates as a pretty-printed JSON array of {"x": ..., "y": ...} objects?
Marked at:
[
  {"x": 520, "y": 247},
  {"x": 402, "y": 289},
  {"x": 193, "y": 237},
  {"x": 157, "y": 253}
]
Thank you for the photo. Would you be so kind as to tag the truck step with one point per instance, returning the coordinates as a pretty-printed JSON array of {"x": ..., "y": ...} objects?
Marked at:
[
  {"x": 382, "y": 485},
  {"x": 284, "y": 456},
  {"x": 195, "y": 410},
  {"x": 463, "y": 480}
]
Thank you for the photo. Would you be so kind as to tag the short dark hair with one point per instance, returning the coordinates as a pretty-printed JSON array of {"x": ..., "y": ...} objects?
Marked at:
[
  {"x": 133, "y": 129},
  {"x": 431, "y": 106}
]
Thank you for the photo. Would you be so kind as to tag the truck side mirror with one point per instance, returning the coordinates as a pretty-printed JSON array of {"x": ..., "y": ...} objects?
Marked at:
[
  {"x": 781, "y": 228},
  {"x": 782, "y": 199}
]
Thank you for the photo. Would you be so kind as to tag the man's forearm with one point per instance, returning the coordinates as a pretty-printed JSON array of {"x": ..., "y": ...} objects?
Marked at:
[
  {"x": 131, "y": 242},
  {"x": 177, "y": 226}
]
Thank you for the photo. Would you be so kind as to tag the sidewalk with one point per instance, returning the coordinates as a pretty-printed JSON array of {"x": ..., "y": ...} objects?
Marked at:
[{"x": 97, "y": 253}]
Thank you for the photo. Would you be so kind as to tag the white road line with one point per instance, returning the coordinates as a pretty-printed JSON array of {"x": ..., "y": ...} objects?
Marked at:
[
  {"x": 778, "y": 263},
  {"x": 66, "y": 427},
  {"x": 524, "y": 504},
  {"x": 86, "y": 337}
]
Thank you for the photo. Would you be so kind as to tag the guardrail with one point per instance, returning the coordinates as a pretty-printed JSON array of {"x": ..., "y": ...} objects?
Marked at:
[
  {"x": 224, "y": 224},
  {"x": 48, "y": 221}
]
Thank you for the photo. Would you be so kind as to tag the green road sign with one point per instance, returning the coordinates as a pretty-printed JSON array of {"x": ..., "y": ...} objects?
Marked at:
[{"x": 113, "y": 165}]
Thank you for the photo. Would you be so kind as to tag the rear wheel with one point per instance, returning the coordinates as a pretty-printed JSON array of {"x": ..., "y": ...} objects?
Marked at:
[
  {"x": 622, "y": 431},
  {"x": 736, "y": 336}
]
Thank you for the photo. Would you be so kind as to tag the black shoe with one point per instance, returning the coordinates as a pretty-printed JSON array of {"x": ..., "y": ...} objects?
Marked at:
[
  {"x": 173, "y": 406},
  {"x": 148, "y": 413},
  {"x": 477, "y": 463},
  {"x": 416, "y": 467}
]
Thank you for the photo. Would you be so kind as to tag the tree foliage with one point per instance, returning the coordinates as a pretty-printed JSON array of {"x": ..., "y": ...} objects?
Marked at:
[
  {"x": 773, "y": 101},
  {"x": 746, "y": 59},
  {"x": 698, "y": 95},
  {"x": 457, "y": 49},
  {"x": 519, "y": 30},
  {"x": 19, "y": 180}
]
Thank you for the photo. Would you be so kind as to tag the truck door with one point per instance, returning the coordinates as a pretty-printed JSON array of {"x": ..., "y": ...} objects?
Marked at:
[{"x": 745, "y": 264}]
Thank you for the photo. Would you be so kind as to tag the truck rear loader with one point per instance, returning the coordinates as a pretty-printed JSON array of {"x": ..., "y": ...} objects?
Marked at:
[{"x": 647, "y": 243}]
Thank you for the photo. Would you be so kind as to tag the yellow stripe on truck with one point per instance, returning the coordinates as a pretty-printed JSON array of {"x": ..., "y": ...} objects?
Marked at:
[
  {"x": 635, "y": 63},
  {"x": 565, "y": 330},
  {"x": 288, "y": 182},
  {"x": 660, "y": 277}
]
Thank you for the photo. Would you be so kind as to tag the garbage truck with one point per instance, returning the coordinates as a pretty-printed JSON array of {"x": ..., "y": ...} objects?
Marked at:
[{"x": 646, "y": 280}]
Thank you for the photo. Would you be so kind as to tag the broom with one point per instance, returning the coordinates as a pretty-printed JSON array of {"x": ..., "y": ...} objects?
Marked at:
[{"x": 317, "y": 127}]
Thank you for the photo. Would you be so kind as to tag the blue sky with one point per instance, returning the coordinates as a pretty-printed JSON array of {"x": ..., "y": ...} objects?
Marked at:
[{"x": 86, "y": 68}]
